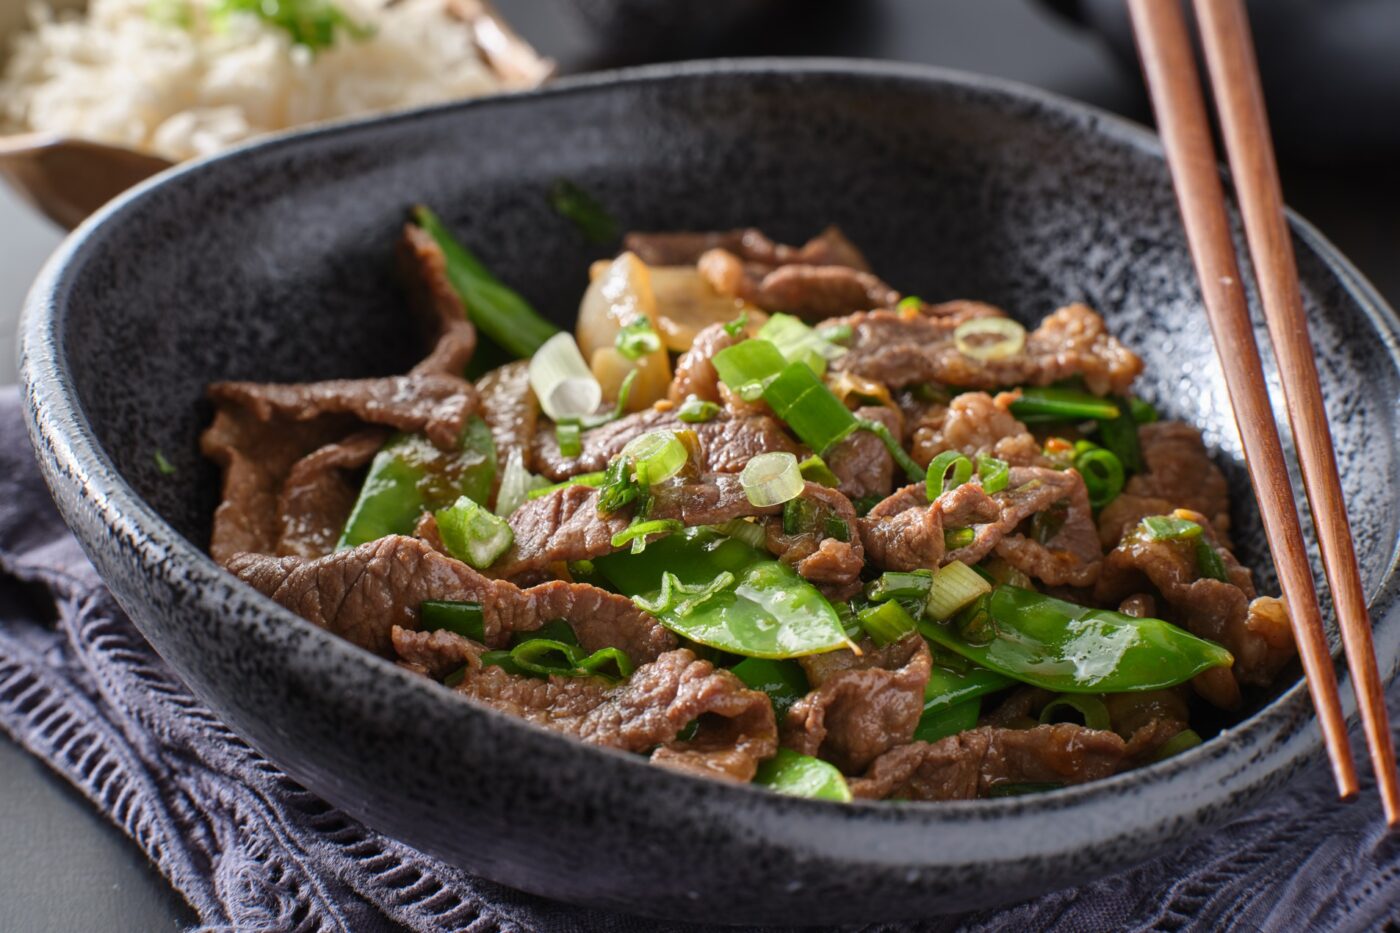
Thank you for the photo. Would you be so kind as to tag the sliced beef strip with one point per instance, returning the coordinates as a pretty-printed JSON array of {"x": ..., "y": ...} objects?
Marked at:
[
  {"x": 972, "y": 763},
  {"x": 905, "y": 531},
  {"x": 1029, "y": 490},
  {"x": 862, "y": 709},
  {"x": 829, "y": 248},
  {"x": 826, "y": 561},
  {"x": 362, "y": 593},
  {"x": 861, "y": 461},
  {"x": 975, "y": 423},
  {"x": 423, "y": 269},
  {"x": 736, "y": 729},
  {"x": 810, "y": 291},
  {"x": 1180, "y": 471},
  {"x": 695, "y": 373},
  {"x": 727, "y": 442},
  {"x": 1072, "y": 555},
  {"x": 509, "y": 409},
  {"x": 1257, "y": 633},
  {"x": 1124, "y": 512},
  {"x": 434, "y": 654},
  {"x": 901, "y": 350},
  {"x": 319, "y": 492}
]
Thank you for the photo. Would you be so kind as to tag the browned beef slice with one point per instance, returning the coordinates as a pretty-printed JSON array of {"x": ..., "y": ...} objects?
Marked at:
[
  {"x": 319, "y": 492},
  {"x": 695, "y": 373},
  {"x": 362, "y": 593},
  {"x": 1260, "y": 640},
  {"x": 1123, "y": 514},
  {"x": 1180, "y": 471},
  {"x": 862, "y": 462},
  {"x": 1072, "y": 555},
  {"x": 905, "y": 531},
  {"x": 509, "y": 409},
  {"x": 829, "y": 248},
  {"x": 736, "y": 726},
  {"x": 818, "y": 557},
  {"x": 423, "y": 269},
  {"x": 975, "y": 423},
  {"x": 1030, "y": 490},
  {"x": 434, "y": 654},
  {"x": 435, "y": 404},
  {"x": 727, "y": 442},
  {"x": 969, "y": 764},
  {"x": 856, "y": 713},
  {"x": 810, "y": 290},
  {"x": 900, "y": 350}
]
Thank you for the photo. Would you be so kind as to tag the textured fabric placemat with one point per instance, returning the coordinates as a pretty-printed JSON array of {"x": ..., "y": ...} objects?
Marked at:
[{"x": 252, "y": 850}]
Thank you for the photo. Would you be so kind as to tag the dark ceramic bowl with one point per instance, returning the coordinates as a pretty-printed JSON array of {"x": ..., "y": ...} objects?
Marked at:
[{"x": 274, "y": 262}]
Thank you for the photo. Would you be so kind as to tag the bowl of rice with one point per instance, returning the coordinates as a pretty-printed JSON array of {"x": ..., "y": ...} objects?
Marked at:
[{"x": 96, "y": 95}]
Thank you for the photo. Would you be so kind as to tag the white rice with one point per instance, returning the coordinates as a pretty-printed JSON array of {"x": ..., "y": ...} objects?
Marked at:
[{"x": 121, "y": 75}]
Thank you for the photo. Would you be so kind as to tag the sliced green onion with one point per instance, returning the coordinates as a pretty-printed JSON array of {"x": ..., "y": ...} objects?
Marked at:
[
  {"x": 637, "y": 532},
  {"x": 518, "y": 485},
  {"x": 555, "y": 629},
  {"x": 837, "y": 528},
  {"x": 783, "y": 681},
  {"x": 1057, "y": 403},
  {"x": 696, "y": 410},
  {"x": 935, "y": 724},
  {"x": 655, "y": 456},
  {"x": 954, "y": 538},
  {"x": 955, "y": 584},
  {"x": 596, "y": 664},
  {"x": 746, "y": 531},
  {"x": 799, "y": 517},
  {"x": 680, "y": 598},
  {"x": 897, "y": 451},
  {"x": 163, "y": 465},
  {"x": 887, "y": 622},
  {"x": 546, "y": 656},
  {"x": 583, "y": 479},
  {"x": 618, "y": 488},
  {"x": 836, "y": 333},
  {"x": 1183, "y": 740},
  {"x": 583, "y": 210},
  {"x": 736, "y": 327},
  {"x": 562, "y": 381},
  {"x": 772, "y": 479},
  {"x": 636, "y": 339},
  {"x": 1170, "y": 528},
  {"x": 940, "y": 480},
  {"x": 1092, "y": 712},
  {"x": 799, "y": 343},
  {"x": 1103, "y": 475},
  {"x": 463, "y": 618},
  {"x": 912, "y": 303},
  {"x": 815, "y": 470},
  {"x": 895, "y": 584},
  {"x": 1142, "y": 411},
  {"x": 798, "y": 775},
  {"x": 570, "y": 438},
  {"x": 1121, "y": 437},
  {"x": 472, "y": 534},
  {"x": 863, "y": 504},
  {"x": 1208, "y": 561},
  {"x": 748, "y": 367},
  {"x": 989, "y": 338},
  {"x": 994, "y": 474},
  {"x": 809, "y": 408}
]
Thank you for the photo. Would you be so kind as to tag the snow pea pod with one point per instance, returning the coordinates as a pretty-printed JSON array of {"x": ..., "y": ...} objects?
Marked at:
[
  {"x": 410, "y": 476},
  {"x": 1060, "y": 646},
  {"x": 790, "y": 772},
  {"x": 721, "y": 592},
  {"x": 783, "y": 681}
]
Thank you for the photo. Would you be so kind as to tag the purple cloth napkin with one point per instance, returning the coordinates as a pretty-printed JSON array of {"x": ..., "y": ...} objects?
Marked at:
[{"x": 251, "y": 850}]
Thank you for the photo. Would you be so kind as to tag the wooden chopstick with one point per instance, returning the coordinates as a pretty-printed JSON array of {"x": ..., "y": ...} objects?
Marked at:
[
  {"x": 1239, "y": 101},
  {"x": 1169, "y": 64}
]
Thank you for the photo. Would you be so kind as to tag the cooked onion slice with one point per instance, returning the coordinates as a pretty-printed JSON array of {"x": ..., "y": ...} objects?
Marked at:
[
  {"x": 562, "y": 380},
  {"x": 990, "y": 338},
  {"x": 771, "y": 479}
]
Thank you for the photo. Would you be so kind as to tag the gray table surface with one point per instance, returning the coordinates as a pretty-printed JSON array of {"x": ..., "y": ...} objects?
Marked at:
[{"x": 62, "y": 868}]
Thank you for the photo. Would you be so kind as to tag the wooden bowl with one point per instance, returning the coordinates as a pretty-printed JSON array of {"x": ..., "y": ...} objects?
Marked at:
[{"x": 67, "y": 178}]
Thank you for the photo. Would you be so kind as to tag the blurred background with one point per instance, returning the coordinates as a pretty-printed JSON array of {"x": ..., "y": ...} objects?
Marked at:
[{"x": 1332, "y": 75}]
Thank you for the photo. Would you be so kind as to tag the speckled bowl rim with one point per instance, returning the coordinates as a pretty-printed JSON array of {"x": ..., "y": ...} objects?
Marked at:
[{"x": 56, "y": 420}]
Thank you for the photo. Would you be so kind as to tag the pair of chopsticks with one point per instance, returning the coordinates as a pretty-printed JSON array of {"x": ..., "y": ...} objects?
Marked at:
[{"x": 1168, "y": 60}]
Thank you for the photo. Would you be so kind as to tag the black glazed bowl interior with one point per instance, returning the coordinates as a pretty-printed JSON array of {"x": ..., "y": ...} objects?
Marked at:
[{"x": 274, "y": 263}]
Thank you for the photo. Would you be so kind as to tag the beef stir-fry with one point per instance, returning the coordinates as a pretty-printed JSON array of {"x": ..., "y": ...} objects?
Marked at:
[{"x": 761, "y": 518}]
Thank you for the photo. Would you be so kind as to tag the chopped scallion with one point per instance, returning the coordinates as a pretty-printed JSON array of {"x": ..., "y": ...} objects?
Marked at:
[
  {"x": 746, "y": 531},
  {"x": 815, "y": 470},
  {"x": 583, "y": 479},
  {"x": 907, "y": 463},
  {"x": 1208, "y": 561},
  {"x": 994, "y": 474},
  {"x": 655, "y": 456},
  {"x": 570, "y": 438},
  {"x": 472, "y": 534},
  {"x": 955, "y": 584},
  {"x": 1103, "y": 475},
  {"x": 463, "y": 618},
  {"x": 895, "y": 584},
  {"x": 636, "y": 533},
  {"x": 696, "y": 410},
  {"x": 886, "y": 622},
  {"x": 771, "y": 479},
  {"x": 1057, "y": 403},
  {"x": 1170, "y": 528},
  {"x": 954, "y": 538},
  {"x": 989, "y": 338},
  {"x": 562, "y": 380},
  {"x": 1183, "y": 740},
  {"x": 799, "y": 343},
  {"x": 1090, "y": 710},
  {"x": 949, "y": 470},
  {"x": 636, "y": 339}
]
